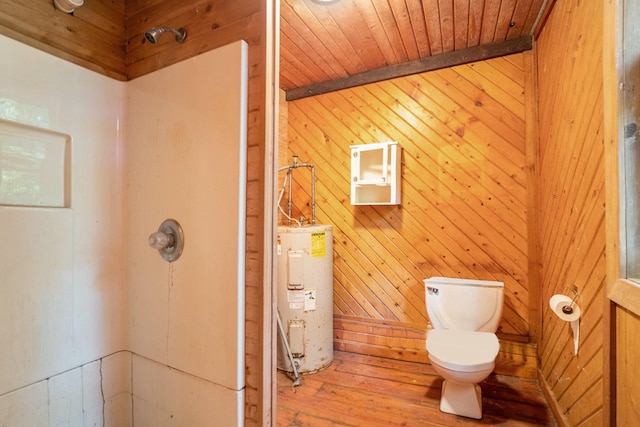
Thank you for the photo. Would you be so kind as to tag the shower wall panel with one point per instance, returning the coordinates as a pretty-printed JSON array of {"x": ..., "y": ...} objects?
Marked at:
[
  {"x": 186, "y": 158},
  {"x": 62, "y": 297}
]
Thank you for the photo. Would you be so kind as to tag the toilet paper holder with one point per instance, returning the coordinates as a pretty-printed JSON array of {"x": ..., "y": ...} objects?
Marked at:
[{"x": 568, "y": 309}]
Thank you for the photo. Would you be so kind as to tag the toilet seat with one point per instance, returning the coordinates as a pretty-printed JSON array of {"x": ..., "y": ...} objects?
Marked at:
[{"x": 462, "y": 351}]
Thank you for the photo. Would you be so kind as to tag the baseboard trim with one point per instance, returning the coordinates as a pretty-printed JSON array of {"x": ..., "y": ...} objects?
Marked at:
[
  {"x": 402, "y": 341},
  {"x": 553, "y": 404}
]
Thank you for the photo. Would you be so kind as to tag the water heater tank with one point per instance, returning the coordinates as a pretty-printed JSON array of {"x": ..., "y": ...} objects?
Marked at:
[{"x": 305, "y": 296}]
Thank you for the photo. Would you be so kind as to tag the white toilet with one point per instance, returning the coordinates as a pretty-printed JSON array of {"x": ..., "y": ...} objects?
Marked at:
[{"x": 462, "y": 345}]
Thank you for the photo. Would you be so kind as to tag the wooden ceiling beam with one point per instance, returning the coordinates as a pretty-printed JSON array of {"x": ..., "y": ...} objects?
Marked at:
[{"x": 431, "y": 63}]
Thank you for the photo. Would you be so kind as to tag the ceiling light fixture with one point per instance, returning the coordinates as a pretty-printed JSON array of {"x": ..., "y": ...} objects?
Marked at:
[{"x": 67, "y": 6}]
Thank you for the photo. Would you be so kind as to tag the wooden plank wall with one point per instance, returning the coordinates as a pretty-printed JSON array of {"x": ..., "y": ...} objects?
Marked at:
[
  {"x": 209, "y": 24},
  {"x": 463, "y": 211},
  {"x": 628, "y": 388},
  {"x": 93, "y": 37},
  {"x": 571, "y": 203}
]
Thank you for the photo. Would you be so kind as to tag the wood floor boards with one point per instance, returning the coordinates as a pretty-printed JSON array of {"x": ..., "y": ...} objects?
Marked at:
[{"x": 359, "y": 390}]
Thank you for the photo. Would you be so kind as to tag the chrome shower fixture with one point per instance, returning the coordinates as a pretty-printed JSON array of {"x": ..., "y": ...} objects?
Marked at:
[
  {"x": 153, "y": 34},
  {"x": 168, "y": 240}
]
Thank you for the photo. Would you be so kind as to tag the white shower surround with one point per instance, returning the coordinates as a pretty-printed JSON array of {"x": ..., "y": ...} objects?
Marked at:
[
  {"x": 187, "y": 151},
  {"x": 91, "y": 337}
]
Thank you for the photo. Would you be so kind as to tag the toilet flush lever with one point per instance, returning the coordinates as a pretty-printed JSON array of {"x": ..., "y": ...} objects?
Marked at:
[
  {"x": 168, "y": 240},
  {"x": 432, "y": 290}
]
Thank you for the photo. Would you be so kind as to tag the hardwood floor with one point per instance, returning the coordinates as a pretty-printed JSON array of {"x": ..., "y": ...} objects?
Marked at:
[{"x": 358, "y": 390}]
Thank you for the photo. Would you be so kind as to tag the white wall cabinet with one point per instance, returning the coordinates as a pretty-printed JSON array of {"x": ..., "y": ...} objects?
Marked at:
[{"x": 375, "y": 174}]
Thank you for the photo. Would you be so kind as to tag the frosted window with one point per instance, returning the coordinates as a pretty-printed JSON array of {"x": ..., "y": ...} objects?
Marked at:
[{"x": 34, "y": 166}]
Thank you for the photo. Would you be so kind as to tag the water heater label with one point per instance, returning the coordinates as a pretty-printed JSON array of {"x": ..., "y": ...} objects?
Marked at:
[
  {"x": 295, "y": 299},
  {"x": 318, "y": 244},
  {"x": 309, "y": 299}
]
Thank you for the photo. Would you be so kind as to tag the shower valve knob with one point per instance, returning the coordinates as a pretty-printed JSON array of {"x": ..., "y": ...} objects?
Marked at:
[
  {"x": 160, "y": 240},
  {"x": 168, "y": 240}
]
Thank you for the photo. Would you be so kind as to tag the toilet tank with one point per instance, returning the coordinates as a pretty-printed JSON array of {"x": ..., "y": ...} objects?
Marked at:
[{"x": 464, "y": 304}]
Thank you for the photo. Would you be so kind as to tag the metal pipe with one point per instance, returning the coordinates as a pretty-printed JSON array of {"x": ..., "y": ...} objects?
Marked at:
[
  {"x": 313, "y": 189},
  {"x": 289, "y": 201},
  {"x": 289, "y": 169},
  {"x": 153, "y": 34},
  {"x": 283, "y": 336},
  {"x": 313, "y": 194}
]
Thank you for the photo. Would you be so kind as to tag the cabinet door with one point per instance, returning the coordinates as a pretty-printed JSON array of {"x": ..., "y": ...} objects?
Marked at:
[
  {"x": 375, "y": 170},
  {"x": 370, "y": 164}
]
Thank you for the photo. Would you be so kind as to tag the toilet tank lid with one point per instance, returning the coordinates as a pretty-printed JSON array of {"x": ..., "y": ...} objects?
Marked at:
[{"x": 457, "y": 281}]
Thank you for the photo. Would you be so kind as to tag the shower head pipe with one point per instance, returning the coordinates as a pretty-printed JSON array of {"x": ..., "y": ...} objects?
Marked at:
[{"x": 153, "y": 34}]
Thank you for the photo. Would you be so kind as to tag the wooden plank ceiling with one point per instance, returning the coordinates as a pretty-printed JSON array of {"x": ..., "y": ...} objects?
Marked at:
[{"x": 337, "y": 40}]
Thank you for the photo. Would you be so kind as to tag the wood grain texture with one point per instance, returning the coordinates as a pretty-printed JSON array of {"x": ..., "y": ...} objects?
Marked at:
[
  {"x": 359, "y": 390},
  {"x": 444, "y": 60},
  {"x": 321, "y": 43},
  {"x": 208, "y": 25},
  {"x": 402, "y": 341},
  {"x": 444, "y": 201},
  {"x": 571, "y": 207},
  {"x": 628, "y": 337},
  {"x": 92, "y": 37},
  {"x": 464, "y": 199}
]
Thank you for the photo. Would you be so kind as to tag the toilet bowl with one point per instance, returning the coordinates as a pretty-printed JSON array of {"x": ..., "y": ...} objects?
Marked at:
[
  {"x": 462, "y": 345},
  {"x": 463, "y": 359}
]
